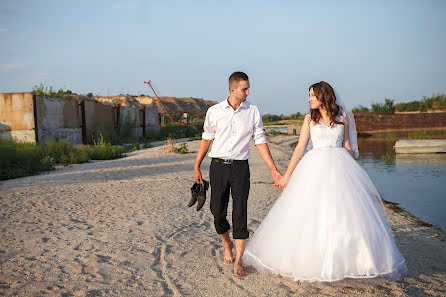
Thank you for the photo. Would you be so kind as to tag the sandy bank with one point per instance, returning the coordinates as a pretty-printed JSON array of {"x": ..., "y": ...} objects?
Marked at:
[{"x": 122, "y": 228}]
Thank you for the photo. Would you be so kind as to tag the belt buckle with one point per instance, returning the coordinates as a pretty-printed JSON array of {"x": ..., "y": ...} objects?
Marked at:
[{"x": 227, "y": 161}]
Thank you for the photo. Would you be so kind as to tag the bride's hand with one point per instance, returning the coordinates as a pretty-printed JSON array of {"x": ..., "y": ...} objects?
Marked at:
[{"x": 283, "y": 182}]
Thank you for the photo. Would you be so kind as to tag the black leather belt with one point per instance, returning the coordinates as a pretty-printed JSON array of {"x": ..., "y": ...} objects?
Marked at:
[{"x": 228, "y": 161}]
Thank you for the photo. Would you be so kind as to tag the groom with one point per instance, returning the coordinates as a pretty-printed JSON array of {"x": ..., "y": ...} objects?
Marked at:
[{"x": 231, "y": 125}]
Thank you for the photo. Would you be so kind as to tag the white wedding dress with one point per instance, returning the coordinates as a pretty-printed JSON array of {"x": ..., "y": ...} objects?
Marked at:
[{"x": 329, "y": 223}]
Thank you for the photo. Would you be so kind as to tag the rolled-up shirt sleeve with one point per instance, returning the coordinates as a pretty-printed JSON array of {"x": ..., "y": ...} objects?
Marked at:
[
  {"x": 258, "y": 132},
  {"x": 209, "y": 126}
]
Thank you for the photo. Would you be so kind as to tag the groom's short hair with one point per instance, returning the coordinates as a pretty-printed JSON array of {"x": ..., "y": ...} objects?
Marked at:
[{"x": 236, "y": 77}]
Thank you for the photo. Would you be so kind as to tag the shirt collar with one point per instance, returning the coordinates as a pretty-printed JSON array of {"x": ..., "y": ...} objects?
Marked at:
[{"x": 244, "y": 104}]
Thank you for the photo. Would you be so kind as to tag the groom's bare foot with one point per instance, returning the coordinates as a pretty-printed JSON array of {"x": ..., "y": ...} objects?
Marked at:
[
  {"x": 228, "y": 253},
  {"x": 238, "y": 270}
]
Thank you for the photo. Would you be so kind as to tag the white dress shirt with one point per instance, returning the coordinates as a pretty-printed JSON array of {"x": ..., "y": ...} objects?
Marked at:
[{"x": 232, "y": 130}]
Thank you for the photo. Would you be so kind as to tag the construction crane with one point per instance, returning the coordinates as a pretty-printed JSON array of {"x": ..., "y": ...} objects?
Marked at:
[{"x": 150, "y": 85}]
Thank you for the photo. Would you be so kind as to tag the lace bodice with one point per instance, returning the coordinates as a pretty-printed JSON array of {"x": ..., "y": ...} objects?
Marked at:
[{"x": 323, "y": 136}]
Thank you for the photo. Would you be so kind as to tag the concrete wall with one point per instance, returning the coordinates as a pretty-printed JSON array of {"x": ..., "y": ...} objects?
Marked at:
[
  {"x": 152, "y": 119},
  {"x": 99, "y": 118},
  {"x": 17, "y": 117},
  {"x": 131, "y": 122},
  {"x": 130, "y": 116},
  {"x": 59, "y": 119},
  {"x": 380, "y": 122}
]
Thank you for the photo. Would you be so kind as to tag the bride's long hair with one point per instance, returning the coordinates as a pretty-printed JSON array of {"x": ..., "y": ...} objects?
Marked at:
[{"x": 325, "y": 94}]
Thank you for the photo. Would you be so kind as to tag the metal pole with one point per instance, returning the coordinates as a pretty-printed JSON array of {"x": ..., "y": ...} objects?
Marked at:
[{"x": 148, "y": 82}]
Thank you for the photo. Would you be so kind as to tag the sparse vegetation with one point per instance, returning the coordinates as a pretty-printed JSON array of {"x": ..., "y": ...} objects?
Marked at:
[
  {"x": 171, "y": 148},
  {"x": 361, "y": 108},
  {"x": 182, "y": 149},
  {"x": 22, "y": 159},
  {"x": 435, "y": 102},
  {"x": 419, "y": 135},
  {"x": 428, "y": 103},
  {"x": 102, "y": 150},
  {"x": 272, "y": 119},
  {"x": 42, "y": 90},
  {"x": 386, "y": 107}
]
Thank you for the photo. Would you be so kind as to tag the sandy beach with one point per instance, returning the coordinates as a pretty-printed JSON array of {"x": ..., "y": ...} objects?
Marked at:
[{"x": 122, "y": 228}]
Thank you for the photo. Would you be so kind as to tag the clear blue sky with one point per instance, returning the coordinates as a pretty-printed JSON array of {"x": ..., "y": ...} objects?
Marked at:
[{"x": 367, "y": 50}]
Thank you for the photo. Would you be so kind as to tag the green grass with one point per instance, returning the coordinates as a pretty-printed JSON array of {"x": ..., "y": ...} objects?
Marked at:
[
  {"x": 272, "y": 123},
  {"x": 182, "y": 149},
  {"x": 101, "y": 150},
  {"x": 274, "y": 132},
  {"x": 419, "y": 135},
  {"x": 22, "y": 159}
]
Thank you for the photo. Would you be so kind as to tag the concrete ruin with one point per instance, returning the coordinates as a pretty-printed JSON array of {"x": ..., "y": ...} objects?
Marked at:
[
  {"x": 25, "y": 117},
  {"x": 17, "y": 117}
]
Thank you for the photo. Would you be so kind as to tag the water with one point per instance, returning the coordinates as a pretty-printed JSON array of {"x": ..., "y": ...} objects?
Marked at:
[
  {"x": 285, "y": 129},
  {"x": 416, "y": 182}
]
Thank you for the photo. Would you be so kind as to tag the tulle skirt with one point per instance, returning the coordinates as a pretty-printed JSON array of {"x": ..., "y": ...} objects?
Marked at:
[{"x": 328, "y": 224}]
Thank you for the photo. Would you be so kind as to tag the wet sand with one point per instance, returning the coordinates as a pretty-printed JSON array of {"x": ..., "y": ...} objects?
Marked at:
[{"x": 122, "y": 228}]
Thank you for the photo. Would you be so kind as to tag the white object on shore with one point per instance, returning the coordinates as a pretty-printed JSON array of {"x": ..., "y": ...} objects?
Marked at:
[{"x": 420, "y": 146}]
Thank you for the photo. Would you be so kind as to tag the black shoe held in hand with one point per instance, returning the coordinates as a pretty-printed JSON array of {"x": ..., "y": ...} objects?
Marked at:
[
  {"x": 198, "y": 192},
  {"x": 202, "y": 195}
]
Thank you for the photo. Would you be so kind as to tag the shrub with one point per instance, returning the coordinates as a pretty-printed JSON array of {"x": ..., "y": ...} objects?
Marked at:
[
  {"x": 386, "y": 107},
  {"x": 410, "y": 106},
  {"x": 21, "y": 159},
  {"x": 50, "y": 92},
  {"x": 418, "y": 135},
  {"x": 102, "y": 150},
  {"x": 171, "y": 148},
  {"x": 361, "y": 108},
  {"x": 273, "y": 119},
  {"x": 82, "y": 153},
  {"x": 183, "y": 149},
  {"x": 64, "y": 153},
  {"x": 434, "y": 102},
  {"x": 61, "y": 151},
  {"x": 131, "y": 147}
]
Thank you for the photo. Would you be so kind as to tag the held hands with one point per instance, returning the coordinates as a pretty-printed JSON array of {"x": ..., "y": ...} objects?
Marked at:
[
  {"x": 283, "y": 182},
  {"x": 276, "y": 177}
]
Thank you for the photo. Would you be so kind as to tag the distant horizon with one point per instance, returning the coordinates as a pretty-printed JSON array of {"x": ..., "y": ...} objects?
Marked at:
[{"x": 179, "y": 97}]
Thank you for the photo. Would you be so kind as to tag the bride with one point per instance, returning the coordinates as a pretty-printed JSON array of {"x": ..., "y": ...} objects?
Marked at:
[{"x": 329, "y": 222}]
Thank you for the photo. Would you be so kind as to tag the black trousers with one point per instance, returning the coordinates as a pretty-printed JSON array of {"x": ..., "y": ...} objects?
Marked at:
[{"x": 224, "y": 179}]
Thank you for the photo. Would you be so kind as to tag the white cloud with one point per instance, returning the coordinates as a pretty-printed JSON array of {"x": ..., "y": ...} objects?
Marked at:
[{"x": 3, "y": 30}]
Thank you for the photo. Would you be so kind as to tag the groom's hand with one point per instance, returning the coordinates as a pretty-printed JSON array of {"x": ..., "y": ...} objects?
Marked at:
[
  {"x": 277, "y": 176},
  {"x": 197, "y": 176}
]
